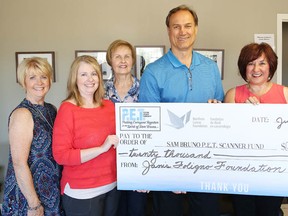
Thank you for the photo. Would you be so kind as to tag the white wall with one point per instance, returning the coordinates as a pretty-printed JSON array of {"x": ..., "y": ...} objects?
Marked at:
[{"x": 68, "y": 25}]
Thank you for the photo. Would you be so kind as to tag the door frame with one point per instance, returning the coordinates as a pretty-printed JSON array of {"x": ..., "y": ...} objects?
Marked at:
[{"x": 280, "y": 19}]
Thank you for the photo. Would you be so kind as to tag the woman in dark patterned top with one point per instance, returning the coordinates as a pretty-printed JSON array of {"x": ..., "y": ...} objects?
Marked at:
[{"x": 33, "y": 176}]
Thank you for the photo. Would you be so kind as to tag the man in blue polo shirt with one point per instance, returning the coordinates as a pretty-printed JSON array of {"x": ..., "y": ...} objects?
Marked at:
[{"x": 182, "y": 75}]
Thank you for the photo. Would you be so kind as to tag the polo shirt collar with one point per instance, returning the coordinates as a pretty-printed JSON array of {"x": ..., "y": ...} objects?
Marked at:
[{"x": 176, "y": 63}]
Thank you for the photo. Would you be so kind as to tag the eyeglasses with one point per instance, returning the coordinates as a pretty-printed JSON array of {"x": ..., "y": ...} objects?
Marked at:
[{"x": 189, "y": 74}]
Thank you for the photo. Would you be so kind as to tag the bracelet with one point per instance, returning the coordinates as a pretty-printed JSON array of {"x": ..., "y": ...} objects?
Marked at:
[{"x": 35, "y": 208}]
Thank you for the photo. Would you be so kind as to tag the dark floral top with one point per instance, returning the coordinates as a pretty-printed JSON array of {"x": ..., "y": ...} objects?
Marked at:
[
  {"x": 45, "y": 171},
  {"x": 132, "y": 95}
]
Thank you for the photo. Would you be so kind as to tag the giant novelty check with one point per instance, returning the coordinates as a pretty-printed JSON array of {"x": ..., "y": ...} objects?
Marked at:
[{"x": 217, "y": 148}]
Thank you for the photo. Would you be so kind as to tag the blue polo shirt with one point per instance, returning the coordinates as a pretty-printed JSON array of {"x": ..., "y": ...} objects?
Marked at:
[{"x": 168, "y": 80}]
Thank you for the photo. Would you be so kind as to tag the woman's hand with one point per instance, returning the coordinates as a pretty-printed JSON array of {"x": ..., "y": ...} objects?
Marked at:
[
  {"x": 91, "y": 153},
  {"x": 179, "y": 192},
  {"x": 214, "y": 101},
  {"x": 143, "y": 191},
  {"x": 252, "y": 100},
  {"x": 111, "y": 140},
  {"x": 36, "y": 212}
]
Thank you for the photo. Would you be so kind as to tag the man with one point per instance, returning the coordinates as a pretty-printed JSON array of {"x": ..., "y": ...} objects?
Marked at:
[{"x": 182, "y": 75}]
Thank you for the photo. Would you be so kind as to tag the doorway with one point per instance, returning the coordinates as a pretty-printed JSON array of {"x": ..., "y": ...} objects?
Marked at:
[{"x": 282, "y": 49}]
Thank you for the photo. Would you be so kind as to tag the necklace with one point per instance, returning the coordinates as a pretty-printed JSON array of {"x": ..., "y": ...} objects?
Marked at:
[{"x": 44, "y": 118}]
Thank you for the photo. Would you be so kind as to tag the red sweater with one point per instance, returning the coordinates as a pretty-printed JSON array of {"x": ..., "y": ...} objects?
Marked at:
[{"x": 77, "y": 128}]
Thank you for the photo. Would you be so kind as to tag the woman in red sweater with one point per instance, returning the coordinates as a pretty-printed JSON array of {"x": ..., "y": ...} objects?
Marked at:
[{"x": 84, "y": 143}]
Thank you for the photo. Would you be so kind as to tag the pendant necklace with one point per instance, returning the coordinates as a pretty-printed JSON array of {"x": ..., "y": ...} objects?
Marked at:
[{"x": 43, "y": 117}]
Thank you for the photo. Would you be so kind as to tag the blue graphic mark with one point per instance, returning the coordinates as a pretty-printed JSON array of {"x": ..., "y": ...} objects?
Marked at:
[{"x": 132, "y": 114}]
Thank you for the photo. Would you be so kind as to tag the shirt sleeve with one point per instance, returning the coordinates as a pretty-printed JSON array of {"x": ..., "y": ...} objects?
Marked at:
[
  {"x": 62, "y": 145},
  {"x": 149, "y": 90},
  {"x": 219, "y": 92}
]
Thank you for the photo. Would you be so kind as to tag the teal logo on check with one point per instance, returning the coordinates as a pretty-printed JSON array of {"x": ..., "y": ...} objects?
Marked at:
[{"x": 178, "y": 122}]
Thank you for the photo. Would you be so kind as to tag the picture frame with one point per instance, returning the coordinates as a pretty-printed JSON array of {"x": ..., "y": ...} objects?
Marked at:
[
  {"x": 49, "y": 55},
  {"x": 146, "y": 55},
  {"x": 100, "y": 55},
  {"x": 216, "y": 55}
]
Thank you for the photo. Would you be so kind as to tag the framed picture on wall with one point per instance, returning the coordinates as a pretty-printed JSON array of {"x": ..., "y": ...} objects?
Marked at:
[
  {"x": 100, "y": 55},
  {"x": 216, "y": 55},
  {"x": 49, "y": 55},
  {"x": 146, "y": 55}
]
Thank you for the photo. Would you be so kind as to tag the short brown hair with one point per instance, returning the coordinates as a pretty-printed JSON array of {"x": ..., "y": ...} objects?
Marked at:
[
  {"x": 114, "y": 45},
  {"x": 181, "y": 7},
  {"x": 72, "y": 88},
  {"x": 253, "y": 51},
  {"x": 39, "y": 65}
]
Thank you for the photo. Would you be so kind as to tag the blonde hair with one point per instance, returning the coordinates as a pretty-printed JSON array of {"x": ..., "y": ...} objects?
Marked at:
[
  {"x": 114, "y": 45},
  {"x": 39, "y": 65},
  {"x": 72, "y": 88}
]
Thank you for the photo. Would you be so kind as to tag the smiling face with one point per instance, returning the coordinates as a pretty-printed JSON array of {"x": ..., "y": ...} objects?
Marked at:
[
  {"x": 87, "y": 80},
  {"x": 182, "y": 31},
  {"x": 121, "y": 60},
  {"x": 37, "y": 84},
  {"x": 258, "y": 71}
]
